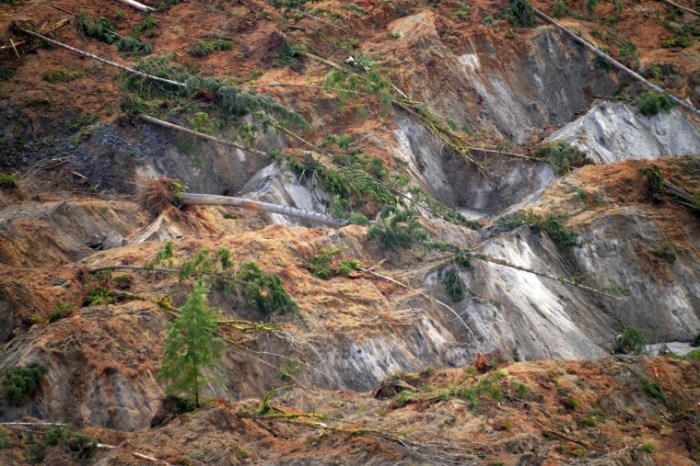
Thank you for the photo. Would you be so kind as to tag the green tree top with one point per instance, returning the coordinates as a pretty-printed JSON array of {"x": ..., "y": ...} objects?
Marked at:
[{"x": 191, "y": 346}]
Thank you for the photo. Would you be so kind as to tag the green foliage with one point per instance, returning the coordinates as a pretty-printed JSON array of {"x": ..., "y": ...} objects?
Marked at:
[
  {"x": 18, "y": 384},
  {"x": 664, "y": 252},
  {"x": 654, "y": 177},
  {"x": 562, "y": 156},
  {"x": 559, "y": 9},
  {"x": 265, "y": 290},
  {"x": 147, "y": 27},
  {"x": 326, "y": 264},
  {"x": 590, "y": 6},
  {"x": 601, "y": 62},
  {"x": 229, "y": 99},
  {"x": 79, "y": 445},
  {"x": 652, "y": 103},
  {"x": 61, "y": 311},
  {"x": 62, "y": 75},
  {"x": 520, "y": 13},
  {"x": 191, "y": 346},
  {"x": 463, "y": 12},
  {"x": 397, "y": 227},
  {"x": 453, "y": 284},
  {"x": 8, "y": 180},
  {"x": 7, "y": 73},
  {"x": 98, "y": 297},
  {"x": 103, "y": 30},
  {"x": 652, "y": 388},
  {"x": 628, "y": 53},
  {"x": 633, "y": 340},
  {"x": 679, "y": 41},
  {"x": 207, "y": 47},
  {"x": 489, "y": 386},
  {"x": 648, "y": 448},
  {"x": 164, "y": 256},
  {"x": 552, "y": 224}
]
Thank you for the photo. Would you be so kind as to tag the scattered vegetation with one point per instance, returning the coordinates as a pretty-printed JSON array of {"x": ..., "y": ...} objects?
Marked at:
[
  {"x": 61, "y": 311},
  {"x": 562, "y": 156},
  {"x": 99, "y": 296},
  {"x": 207, "y": 47},
  {"x": 18, "y": 384},
  {"x": 520, "y": 13},
  {"x": 680, "y": 41},
  {"x": 653, "y": 103},
  {"x": 8, "y": 181},
  {"x": 7, "y": 73},
  {"x": 397, "y": 227},
  {"x": 652, "y": 388},
  {"x": 103, "y": 30},
  {"x": 77, "y": 444},
  {"x": 62, "y": 75},
  {"x": 552, "y": 224},
  {"x": 327, "y": 263},
  {"x": 633, "y": 340},
  {"x": 191, "y": 346},
  {"x": 664, "y": 252}
]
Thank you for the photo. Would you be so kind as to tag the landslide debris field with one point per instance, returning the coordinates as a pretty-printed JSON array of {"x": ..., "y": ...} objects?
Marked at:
[{"x": 391, "y": 232}]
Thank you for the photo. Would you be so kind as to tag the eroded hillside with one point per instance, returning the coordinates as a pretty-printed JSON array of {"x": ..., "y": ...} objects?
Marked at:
[{"x": 504, "y": 195}]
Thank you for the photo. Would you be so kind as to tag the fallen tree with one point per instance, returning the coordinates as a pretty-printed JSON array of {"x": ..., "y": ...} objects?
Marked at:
[{"x": 616, "y": 64}]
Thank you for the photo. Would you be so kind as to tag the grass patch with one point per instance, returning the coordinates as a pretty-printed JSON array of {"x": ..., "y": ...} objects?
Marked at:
[
  {"x": 633, "y": 340},
  {"x": 8, "y": 181},
  {"x": 207, "y": 47},
  {"x": 653, "y": 389},
  {"x": 327, "y": 263},
  {"x": 7, "y": 73},
  {"x": 62, "y": 75},
  {"x": 61, "y": 311}
]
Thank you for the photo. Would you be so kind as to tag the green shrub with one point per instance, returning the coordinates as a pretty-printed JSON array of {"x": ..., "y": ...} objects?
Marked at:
[
  {"x": 679, "y": 41},
  {"x": 7, "y": 73},
  {"x": 653, "y": 103},
  {"x": 664, "y": 252},
  {"x": 648, "y": 448},
  {"x": 134, "y": 46},
  {"x": 652, "y": 388},
  {"x": 61, "y": 311},
  {"x": 62, "y": 75},
  {"x": 8, "y": 180},
  {"x": 265, "y": 290},
  {"x": 326, "y": 264},
  {"x": 397, "y": 228},
  {"x": 453, "y": 284},
  {"x": 562, "y": 156},
  {"x": 207, "y": 47},
  {"x": 520, "y": 13},
  {"x": 18, "y": 384},
  {"x": 559, "y": 9},
  {"x": 633, "y": 340},
  {"x": 601, "y": 62},
  {"x": 552, "y": 224},
  {"x": 99, "y": 296}
]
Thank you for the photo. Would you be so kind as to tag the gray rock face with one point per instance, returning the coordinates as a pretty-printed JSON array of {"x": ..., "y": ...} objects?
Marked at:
[
  {"x": 611, "y": 132},
  {"x": 514, "y": 90}
]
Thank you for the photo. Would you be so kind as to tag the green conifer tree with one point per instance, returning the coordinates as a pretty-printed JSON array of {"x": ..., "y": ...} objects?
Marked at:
[{"x": 191, "y": 346}]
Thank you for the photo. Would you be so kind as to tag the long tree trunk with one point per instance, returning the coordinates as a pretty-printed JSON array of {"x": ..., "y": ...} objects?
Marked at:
[
  {"x": 210, "y": 199},
  {"x": 102, "y": 60},
  {"x": 681, "y": 7},
  {"x": 590, "y": 47},
  {"x": 138, "y": 6},
  {"x": 197, "y": 134}
]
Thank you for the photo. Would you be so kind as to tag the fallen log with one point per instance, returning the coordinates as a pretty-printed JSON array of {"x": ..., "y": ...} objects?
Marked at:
[
  {"x": 210, "y": 199},
  {"x": 616, "y": 64},
  {"x": 197, "y": 134},
  {"x": 102, "y": 60},
  {"x": 138, "y": 6},
  {"x": 681, "y": 7}
]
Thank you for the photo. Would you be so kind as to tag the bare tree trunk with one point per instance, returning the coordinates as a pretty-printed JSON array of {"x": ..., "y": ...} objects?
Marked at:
[
  {"x": 102, "y": 60},
  {"x": 138, "y": 6},
  {"x": 210, "y": 199},
  {"x": 681, "y": 7},
  {"x": 197, "y": 134},
  {"x": 616, "y": 63}
]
